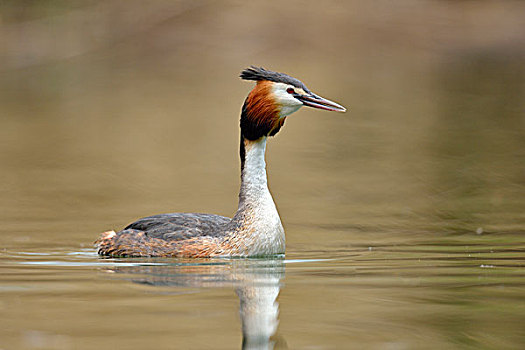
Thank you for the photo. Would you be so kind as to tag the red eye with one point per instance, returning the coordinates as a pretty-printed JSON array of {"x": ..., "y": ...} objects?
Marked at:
[{"x": 290, "y": 91}]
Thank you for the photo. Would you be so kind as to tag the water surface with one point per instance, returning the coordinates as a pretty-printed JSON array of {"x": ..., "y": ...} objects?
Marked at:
[{"x": 404, "y": 217}]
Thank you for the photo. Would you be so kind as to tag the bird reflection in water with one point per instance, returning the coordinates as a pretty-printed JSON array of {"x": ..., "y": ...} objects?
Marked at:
[{"x": 257, "y": 282}]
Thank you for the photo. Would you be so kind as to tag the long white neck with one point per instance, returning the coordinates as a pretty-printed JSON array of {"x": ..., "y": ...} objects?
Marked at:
[
  {"x": 257, "y": 216},
  {"x": 254, "y": 183}
]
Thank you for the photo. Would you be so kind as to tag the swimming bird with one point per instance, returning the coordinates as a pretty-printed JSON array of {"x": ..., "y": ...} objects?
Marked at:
[{"x": 255, "y": 229}]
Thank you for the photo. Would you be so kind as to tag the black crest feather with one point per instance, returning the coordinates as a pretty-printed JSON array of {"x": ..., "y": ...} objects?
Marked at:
[{"x": 259, "y": 73}]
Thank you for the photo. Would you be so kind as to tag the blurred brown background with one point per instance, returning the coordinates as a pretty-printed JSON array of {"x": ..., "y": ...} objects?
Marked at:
[
  {"x": 111, "y": 110},
  {"x": 114, "y": 110}
]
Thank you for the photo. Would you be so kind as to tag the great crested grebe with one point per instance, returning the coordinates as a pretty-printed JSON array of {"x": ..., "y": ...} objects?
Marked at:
[{"x": 255, "y": 229}]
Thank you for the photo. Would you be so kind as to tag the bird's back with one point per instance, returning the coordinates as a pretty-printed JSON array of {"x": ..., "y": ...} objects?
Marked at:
[
  {"x": 180, "y": 226},
  {"x": 165, "y": 235}
]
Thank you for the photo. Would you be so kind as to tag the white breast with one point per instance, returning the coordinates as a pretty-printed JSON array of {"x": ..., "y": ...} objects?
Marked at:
[{"x": 261, "y": 226}]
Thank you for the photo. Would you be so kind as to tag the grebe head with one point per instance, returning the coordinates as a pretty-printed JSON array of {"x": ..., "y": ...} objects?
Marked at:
[{"x": 274, "y": 97}]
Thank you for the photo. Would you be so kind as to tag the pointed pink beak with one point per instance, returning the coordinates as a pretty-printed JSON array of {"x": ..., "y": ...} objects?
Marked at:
[{"x": 312, "y": 100}]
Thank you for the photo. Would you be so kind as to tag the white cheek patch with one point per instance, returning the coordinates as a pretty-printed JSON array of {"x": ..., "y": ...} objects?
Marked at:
[
  {"x": 286, "y": 102},
  {"x": 287, "y": 110}
]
